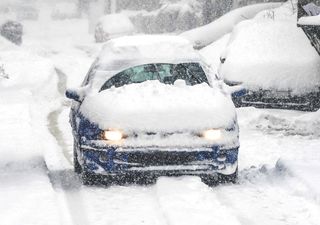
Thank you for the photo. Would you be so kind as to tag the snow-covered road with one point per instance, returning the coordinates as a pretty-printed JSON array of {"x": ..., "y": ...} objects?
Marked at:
[{"x": 278, "y": 164}]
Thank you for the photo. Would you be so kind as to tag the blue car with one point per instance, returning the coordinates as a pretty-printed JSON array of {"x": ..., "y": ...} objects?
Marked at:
[{"x": 149, "y": 107}]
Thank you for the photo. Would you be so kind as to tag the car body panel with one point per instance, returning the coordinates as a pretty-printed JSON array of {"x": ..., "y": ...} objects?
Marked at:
[{"x": 97, "y": 156}]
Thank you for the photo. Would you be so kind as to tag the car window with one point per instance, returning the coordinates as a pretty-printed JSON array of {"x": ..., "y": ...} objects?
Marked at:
[{"x": 191, "y": 73}]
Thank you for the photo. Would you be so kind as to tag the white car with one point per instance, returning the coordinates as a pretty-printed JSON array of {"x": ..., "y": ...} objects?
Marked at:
[
  {"x": 274, "y": 61},
  {"x": 147, "y": 108},
  {"x": 113, "y": 26}
]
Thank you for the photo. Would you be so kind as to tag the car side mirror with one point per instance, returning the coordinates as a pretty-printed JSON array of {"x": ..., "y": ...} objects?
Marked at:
[
  {"x": 73, "y": 94},
  {"x": 239, "y": 92},
  {"x": 236, "y": 90}
]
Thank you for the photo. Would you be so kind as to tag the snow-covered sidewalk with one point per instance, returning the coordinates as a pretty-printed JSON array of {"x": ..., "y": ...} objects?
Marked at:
[{"x": 26, "y": 194}]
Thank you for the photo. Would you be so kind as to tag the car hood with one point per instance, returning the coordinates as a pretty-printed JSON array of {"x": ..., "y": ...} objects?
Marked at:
[{"x": 152, "y": 106}]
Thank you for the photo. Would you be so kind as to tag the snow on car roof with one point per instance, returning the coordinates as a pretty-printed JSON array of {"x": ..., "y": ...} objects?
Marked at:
[{"x": 125, "y": 52}]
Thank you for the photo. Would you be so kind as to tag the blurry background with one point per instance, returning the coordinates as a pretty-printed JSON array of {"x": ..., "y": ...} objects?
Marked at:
[{"x": 147, "y": 16}]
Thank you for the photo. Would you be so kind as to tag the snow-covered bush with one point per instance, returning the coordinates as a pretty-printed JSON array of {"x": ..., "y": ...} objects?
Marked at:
[
  {"x": 111, "y": 26},
  {"x": 12, "y": 31}
]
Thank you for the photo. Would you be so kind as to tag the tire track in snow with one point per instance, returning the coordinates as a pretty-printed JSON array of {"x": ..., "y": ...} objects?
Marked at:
[
  {"x": 269, "y": 195},
  {"x": 100, "y": 204},
  {"x": 186, "y": 200},
  {"x": 66, "y": 183}
]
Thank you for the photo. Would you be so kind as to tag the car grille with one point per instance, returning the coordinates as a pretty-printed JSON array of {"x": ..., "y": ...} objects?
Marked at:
[{"x": 161, "y": 158}]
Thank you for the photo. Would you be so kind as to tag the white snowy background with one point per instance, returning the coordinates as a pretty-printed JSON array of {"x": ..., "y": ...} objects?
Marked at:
[{"x": 278, "y": 163}]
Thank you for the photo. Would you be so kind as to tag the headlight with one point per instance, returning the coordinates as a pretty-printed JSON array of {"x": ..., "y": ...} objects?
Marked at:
[
  {"x": 212, "y": 134},
  {"x": 112, "y": 135}
]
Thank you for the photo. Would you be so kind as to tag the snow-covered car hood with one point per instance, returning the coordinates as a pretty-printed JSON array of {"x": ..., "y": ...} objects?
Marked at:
[{"x": 153, "y": 106}]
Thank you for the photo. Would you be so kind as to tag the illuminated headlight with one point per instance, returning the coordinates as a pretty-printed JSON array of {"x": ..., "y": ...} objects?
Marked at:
[
  {"x": 212, "y": 134},
  {"x": 112, "y": 135}
]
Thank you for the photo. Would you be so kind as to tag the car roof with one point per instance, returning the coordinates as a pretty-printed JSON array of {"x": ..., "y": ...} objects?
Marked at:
[{"x": 129, "y": 51}]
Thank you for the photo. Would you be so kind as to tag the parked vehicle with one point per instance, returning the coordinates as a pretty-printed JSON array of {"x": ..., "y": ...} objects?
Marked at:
[
  {"x": 146, "y": 109},
  {"x": 273, "y": 59},
  {"x": 113, "y": 26},
  {"x": 309, "y": 21}
]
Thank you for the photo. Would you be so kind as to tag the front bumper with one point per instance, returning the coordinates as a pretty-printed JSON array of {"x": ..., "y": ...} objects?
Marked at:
[
  {"x": 279, "y": 100},
  {"x": 159, "y": 161}
]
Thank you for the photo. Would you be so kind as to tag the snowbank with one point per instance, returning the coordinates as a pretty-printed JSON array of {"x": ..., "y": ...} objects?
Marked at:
[
  {"x": 203, "y": 36},
  {"x": 309, "y": 20},
  {"x": 26, "y": 70},
  {"x": 6, "y": 45},
  {"x": 153, "y": 106},
  {"x": 284, "y": 122},
  {"x": 271, "y": 52}
]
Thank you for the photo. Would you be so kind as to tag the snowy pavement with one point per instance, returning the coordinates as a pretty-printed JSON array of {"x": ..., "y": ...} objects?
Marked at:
[{"x": 278, "y": 161}]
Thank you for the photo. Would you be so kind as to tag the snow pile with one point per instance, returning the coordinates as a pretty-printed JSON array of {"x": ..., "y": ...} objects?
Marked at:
[
  {"x": 307, "y": 172},
  {"x": 26, "y": 70},
  {"x": 309, "y": 20},
  {"x": 113, "y": 25},
  {"x": 203, "y": 36},
  {"x": 5, "y": 44},
  {"x": 271, "y": 52},
  {"x": 283, "y": 122},
  {"x": 153, "y": 106}
]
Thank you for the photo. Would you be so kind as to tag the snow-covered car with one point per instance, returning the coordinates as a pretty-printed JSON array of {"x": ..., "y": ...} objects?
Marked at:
[
  {"x": 147, "y": 108},
  {"x": 274, "y": 61},
  {"x": 113, "y": 26}
]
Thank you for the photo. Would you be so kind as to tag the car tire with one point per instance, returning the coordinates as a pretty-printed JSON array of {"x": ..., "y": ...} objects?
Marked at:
[
  {"x": 216, "y": 179},
  {"x": 76, "y": 164},
  {"x": 90, "y": 179}
]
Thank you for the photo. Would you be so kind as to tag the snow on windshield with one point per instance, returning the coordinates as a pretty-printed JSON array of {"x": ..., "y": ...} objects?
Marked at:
[{"x": 125, "y": 52}]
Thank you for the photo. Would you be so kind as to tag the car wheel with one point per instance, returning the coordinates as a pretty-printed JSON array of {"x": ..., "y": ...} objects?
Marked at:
[
  {"x": 76, "y": 164},
  {"x": 88, "y": 178},
  {"x": 96, "y": 179},
  {"x": 216, "y": 179},
  {"x": 232, "y": 178}
]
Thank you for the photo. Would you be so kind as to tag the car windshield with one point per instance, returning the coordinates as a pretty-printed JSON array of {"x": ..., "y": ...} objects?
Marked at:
[{"x": 191, "y": 73}]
